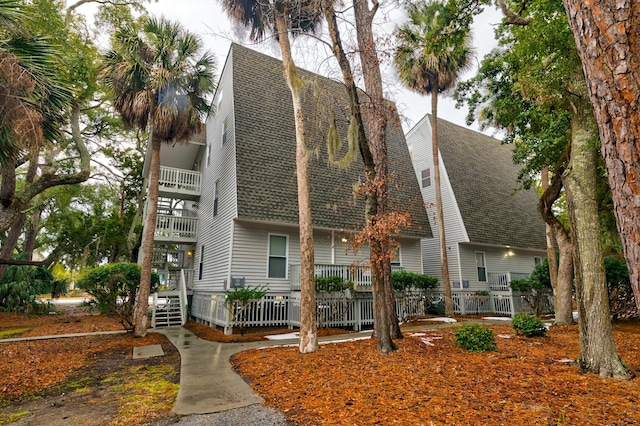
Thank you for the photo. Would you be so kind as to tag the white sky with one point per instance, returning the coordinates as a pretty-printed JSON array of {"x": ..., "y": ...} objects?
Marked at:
[{"x": 206, "y": 18}]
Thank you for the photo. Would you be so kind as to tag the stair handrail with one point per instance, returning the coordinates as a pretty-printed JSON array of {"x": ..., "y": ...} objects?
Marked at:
[{"x": 184, "y": 302}]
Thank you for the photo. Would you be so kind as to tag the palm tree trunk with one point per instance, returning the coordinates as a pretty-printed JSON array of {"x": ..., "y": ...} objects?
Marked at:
[
  {"x": 141, "y": 310},
  {"x": 444, "y": 261},
  {"x": 308, "y": 326}
]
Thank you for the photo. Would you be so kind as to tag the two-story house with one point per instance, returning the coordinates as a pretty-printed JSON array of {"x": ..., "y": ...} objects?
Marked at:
[{"x": 494, "y": 232}]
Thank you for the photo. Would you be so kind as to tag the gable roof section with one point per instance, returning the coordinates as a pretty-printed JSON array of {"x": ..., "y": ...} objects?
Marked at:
[
  {"x": 266, "y": 145},
  {"x": 484, "y": 177}
]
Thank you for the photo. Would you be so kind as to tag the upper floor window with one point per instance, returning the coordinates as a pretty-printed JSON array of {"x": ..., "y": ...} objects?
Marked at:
[
  {"x": 216, "y": 185},
  {"x": 225, "y": 127},
  {"x": 219, "y": 102},
  {"x": 201, "y": 262},
  {"x": 426, "y": 178},
  {"x": 208, "y": 153},
  {"x": 277, "y": 267},
  {"x": 482, "y": 267}
]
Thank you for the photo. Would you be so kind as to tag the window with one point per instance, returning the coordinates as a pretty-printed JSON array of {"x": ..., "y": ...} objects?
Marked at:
[
  {"x": 225, "y": 126},
  {"x": 208, "y": 153},
  {"x": 201, "y": 262},
  {"x": 215, "y": 197},
  {"x": 482, "y": 267},
  {"x": 396, "y": 259},
  {"x": 426, "y": 178},
  {"x": 537, "y": 260},
  {"x": 219, "y": 103},
  {"x": 277, "y": 267}
]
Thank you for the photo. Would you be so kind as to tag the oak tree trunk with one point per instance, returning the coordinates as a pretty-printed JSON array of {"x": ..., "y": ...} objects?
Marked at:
[
  {"x": 597, "y": 348},
  {"x": 387, "y": 326},
  {"x": 607, "y": 35},
  {"x": 308, "y": 326}
]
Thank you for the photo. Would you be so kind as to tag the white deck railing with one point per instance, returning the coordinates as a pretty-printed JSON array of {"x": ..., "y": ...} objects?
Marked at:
[
  {"x": 360, "y": 275},
  {"x": 500, "y": 281},
  {"x": 174, "y": 228},
  {"x": 180, "y": 180}
]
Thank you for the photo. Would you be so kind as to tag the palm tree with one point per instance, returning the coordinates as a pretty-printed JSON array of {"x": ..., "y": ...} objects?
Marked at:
[
  {"x": 159, "y": 80},
  {"x": 281, "y": 17},
  {"x": 432, "y": 53}
]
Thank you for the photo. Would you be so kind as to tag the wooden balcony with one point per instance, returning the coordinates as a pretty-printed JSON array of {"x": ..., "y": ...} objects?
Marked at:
[
  {"x": 176, "y": 229},
  {"x": 180, "y": 183}
]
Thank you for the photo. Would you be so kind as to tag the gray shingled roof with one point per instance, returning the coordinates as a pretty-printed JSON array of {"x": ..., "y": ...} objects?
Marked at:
[
  {"x": 265, "y": 151},
  {"x": 484, "y": 178}
]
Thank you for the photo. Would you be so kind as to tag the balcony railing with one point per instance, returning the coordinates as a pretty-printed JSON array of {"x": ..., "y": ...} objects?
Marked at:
[
  {"x": 360, "y": 274},
  {"x": 500, "y": 281},
  {"x": 177, "y": 229},
  {"x": 169, "y": 258},
  {"x": 180, "y": 181}
]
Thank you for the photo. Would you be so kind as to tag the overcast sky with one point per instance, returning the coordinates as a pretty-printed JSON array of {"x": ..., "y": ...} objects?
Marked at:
[{"x": 206, "y": 18}]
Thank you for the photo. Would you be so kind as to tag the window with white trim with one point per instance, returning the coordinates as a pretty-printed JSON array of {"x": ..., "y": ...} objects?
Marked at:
[
  {"x": 277, "y": 264},
  {"x": 426, "y": 178},
  {"x": 201, "y": 262},
  {"x": 396, "y": 260},
  {"x": 537, "y": 260},
  {"x": 216, "y": 185},
  {"x": 225, "y": 126},
  {"x": 482, "y": 266}
]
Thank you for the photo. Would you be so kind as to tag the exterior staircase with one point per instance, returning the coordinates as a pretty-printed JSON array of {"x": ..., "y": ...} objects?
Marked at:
[{"x": 170, "y": 306}]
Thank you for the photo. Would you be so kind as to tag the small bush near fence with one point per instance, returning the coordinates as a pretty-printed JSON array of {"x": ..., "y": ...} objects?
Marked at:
[
  {"x": 475, "y": 338},
  {"x": 528, "y": 325},
  {"x": 405, "y": 280},
  {"x": 239, "y": 299},
  {"x": 536, "y": 290},
  {"x": 333, "y": 283},
  {"x": 114, "y": 288}
]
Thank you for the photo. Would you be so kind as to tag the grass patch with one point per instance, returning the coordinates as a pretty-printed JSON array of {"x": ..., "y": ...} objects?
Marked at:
[
  {"x": 145, "y": 393},
  {"x": 13, "y": 332},
  {"x": 5, "y": 420}
]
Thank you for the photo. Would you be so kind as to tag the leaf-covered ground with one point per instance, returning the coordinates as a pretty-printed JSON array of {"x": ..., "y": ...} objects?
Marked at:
[
  {"x": 430, "y": 380},
  {"x": 83, "y": 380}
]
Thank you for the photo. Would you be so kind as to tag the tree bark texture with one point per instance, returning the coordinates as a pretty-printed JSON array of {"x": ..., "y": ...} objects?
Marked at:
[
  {"x": 375, "y": 112},
  {"x": 141, "y": 309},
  {"x": 597, "y": 348},
  {"x": 442, "y": 240},
  {"x": 607, "y": 35},
  {"x": 562, "y": 293},
  {"x": 308, "y": 326}
]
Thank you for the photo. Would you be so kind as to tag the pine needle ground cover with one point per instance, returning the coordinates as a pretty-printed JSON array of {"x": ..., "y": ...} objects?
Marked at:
[{"x": 431, "y": 380}]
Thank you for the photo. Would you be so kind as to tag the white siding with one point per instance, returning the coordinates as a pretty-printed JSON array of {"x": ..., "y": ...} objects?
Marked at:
[
  {"x": 497, "y": 260},
  {"x": 215, "y": 232},
  {"x": 411, "y": 255},
  {"x": 419, "y": 139}
]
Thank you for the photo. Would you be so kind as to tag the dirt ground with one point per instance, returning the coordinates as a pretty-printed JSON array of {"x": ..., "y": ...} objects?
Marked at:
[{"x": 429, "y": 380}]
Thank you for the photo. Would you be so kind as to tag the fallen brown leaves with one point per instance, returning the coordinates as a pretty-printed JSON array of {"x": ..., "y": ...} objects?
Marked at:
[
  {"x": 81, "y": 379},
  {"x": 524, "y": 382}
]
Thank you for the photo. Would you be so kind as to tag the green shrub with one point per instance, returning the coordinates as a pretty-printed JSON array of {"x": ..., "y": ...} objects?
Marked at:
[
  {"x": 528, "y": 325},
  {"x": 475, "y": 338},
  {"x": 333, "y": 283},
  {"x": 536, "y": 290},
  {"x": 404, "y": 280},
  {"x": 244, "y": 295},
  {"x": 114, "y": 288},
  {"x": 22, "y": 285}
]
